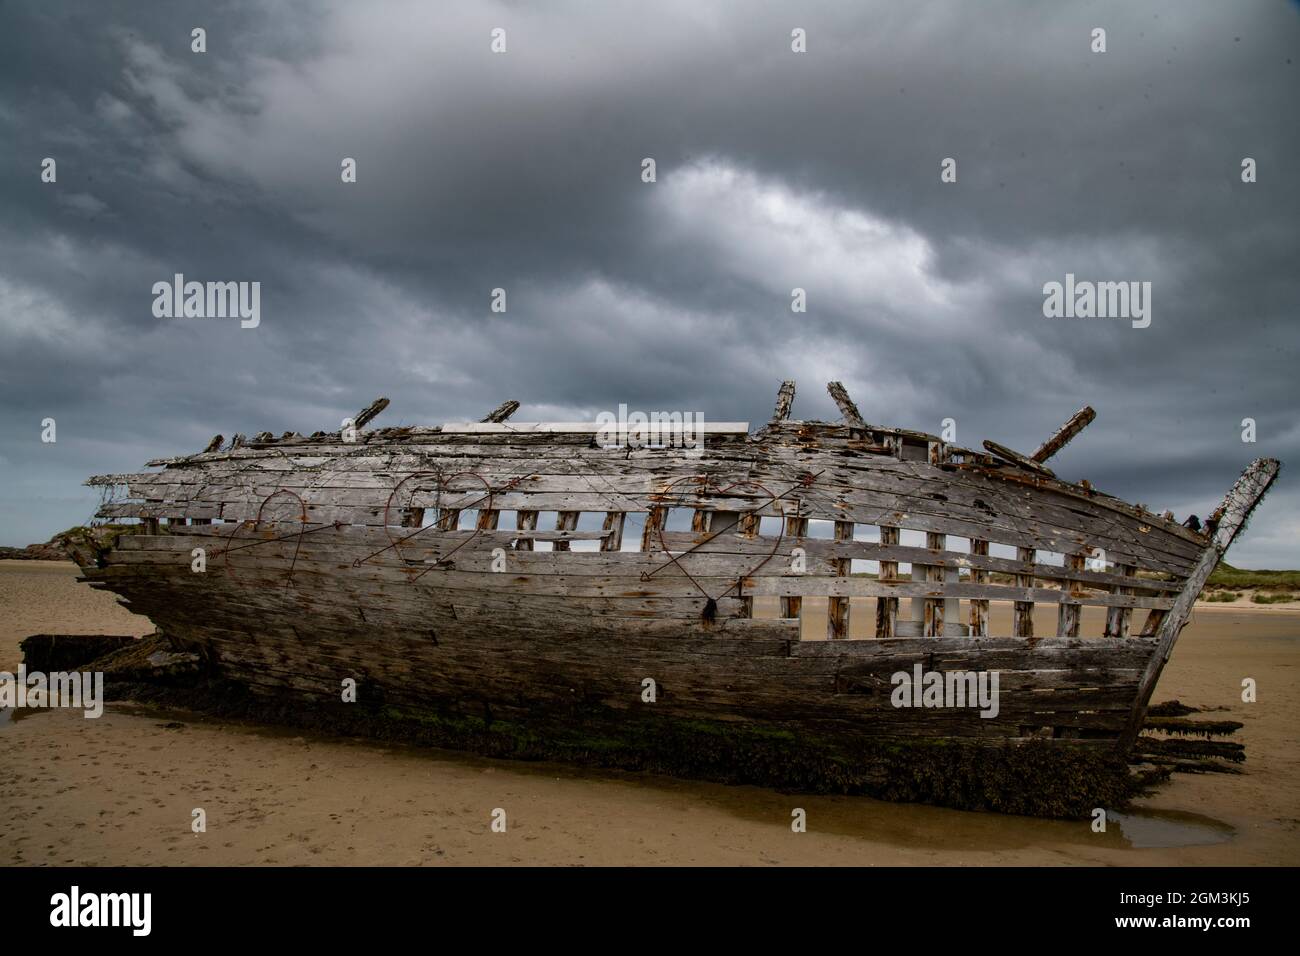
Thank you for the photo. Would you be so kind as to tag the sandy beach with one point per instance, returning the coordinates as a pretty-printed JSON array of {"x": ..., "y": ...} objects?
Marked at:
[{"x": 120, "y": 790}]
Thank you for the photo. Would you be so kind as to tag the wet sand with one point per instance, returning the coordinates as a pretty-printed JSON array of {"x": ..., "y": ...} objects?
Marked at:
[{"x": 121, "y": 789}]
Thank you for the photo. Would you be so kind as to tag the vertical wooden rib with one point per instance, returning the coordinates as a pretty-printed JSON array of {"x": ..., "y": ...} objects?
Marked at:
[
  {"x": 837, "y": 609},
  {"x": 614, "y": 521},
  {"x": 887, "y": 607},
  {"x": 488, "y": 520},
  {"x": 699, "y": 520},
  {"x": 412, "y": 517},
  {"x": 795, "y": 527},
  {"x": 654, "y": 521},
  {"x": 951, "y": 605},
  {"x": 932, "y": 611},
  {"x": 448, "y": 519},
  {"x": 564, "y": 521},
  {"x": 1153, "y": 622},
  {"x": 1022, "y": 616},
  {"x": 525, "y": 521},
  {"x": 1067, "y": 615},
  {"x": 748, "y": 524},
  {"x": 979, "y": 610},
  {"x": 1118, "y": 618}
]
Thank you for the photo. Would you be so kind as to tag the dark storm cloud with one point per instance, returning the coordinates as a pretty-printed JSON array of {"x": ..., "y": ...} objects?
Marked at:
[{"x": 776, "y": 170}]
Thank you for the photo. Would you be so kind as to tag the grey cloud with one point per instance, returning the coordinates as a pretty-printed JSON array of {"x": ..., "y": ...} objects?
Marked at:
[{"x": 522, "y": 171}]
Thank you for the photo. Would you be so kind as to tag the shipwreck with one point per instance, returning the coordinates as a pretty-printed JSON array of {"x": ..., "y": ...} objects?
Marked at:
[{"x": 634, "y": 600}]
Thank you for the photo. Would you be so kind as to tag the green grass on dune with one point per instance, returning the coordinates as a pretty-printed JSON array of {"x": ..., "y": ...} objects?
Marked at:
[
  {"x": 1272, "y": 598},
  {"x": 1226, "y": 576}
]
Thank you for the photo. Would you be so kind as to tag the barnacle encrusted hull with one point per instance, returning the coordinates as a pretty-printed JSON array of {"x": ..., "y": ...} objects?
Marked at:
[{"x": 534, "y": 589}]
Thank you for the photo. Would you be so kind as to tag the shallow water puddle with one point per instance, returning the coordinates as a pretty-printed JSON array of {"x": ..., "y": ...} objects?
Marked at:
[{"x": 1146, "y": 829}]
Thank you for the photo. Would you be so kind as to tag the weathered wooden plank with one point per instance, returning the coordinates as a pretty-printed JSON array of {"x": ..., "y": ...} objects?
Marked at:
[
  {"x": 1065, "y": 434},
  {"x": 448, "y": 518},
  {"x": 502, "y": 411},
  {"x": 470, "y": 547},
  {"x": 1090, "y": 503},
  {"x": 613, "y": 528},
  {"x": 837, "y": 608},
  {"x": 751, "y": 692},
  {"x": 565, "y": 524},
  {"x": 1086, "y": 498},
  {"x": 587, "y": 428},
  {"x": 792, "y": 602},
  {"x": 809, "y": 585},
  {"x": 1118, "y": 618},
  {"x": 870, "y": 550},
  {"x": 979, "y": 609},
  {"x": 784, "y": 401},
  {"x": 1022, "y": 622},
  {"x": 654, "y": 522},
  {"x": 374, "y": 514},
  {"x": 840, "y": 395},
  {"x": 931, "y": 609},
  {"x": 1067, "y": 615},
  {"x": 369, "y": 413},
  {"x": 951, "y": 515},
  {"x": 887, "y": 607},
  {"x": 525, "y": 521},
  {"x": 1015, "y": 458}
]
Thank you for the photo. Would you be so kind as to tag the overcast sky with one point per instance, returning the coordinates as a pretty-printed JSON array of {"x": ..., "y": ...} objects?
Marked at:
[{"x": 775, "y": 170}]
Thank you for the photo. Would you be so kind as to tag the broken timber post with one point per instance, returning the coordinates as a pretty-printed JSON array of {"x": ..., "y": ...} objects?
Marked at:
[
  {"x": 364, "y": 417},
  {"x": 784, "y": 399},
  {"x": 852, "y": 417},
  {"x": 1065, "y": 434},
  {"x": 1236, "y": 508},
  {"x": 502, "y": 411},
  {"x": 215, "y": 444},
  {"x": 1015, "y": 458}
]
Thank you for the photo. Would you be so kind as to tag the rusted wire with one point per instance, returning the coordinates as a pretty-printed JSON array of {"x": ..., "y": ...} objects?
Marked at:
[{"x": 804, "y": 482}]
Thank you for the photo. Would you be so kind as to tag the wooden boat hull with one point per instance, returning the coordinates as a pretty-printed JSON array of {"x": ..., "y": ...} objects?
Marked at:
[{"x": 338, "y": 562}]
